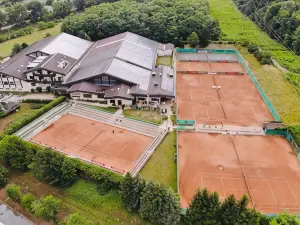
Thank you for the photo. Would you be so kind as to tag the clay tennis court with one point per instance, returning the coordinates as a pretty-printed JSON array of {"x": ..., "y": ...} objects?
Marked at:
[
  {"x": 263, "y": 167},
  {"x": 210, "y": 67},
  {"x": 102, "y": 144},
  {"x": 235, "y": 102}
]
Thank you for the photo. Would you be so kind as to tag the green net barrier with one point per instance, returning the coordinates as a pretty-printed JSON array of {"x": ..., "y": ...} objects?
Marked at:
[
  {"x": 180, "y": 127},
  {"x": 276, "y": 132},
  {"x": 186, "y": 50},
  {"x": 262, "y": 93},
  {"x": 186, "y": 122}
]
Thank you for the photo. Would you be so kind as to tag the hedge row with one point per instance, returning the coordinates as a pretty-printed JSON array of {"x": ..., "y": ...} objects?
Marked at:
[
  {"x": 15, "y": 34},
  {"x": 51, "y": 166},
  {"x": 44, "y": 101},
  {"x": 44, "y": 25},
  {"x": 22, "y": 122}
]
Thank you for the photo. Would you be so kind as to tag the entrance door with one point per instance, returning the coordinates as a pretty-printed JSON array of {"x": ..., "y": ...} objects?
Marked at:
[{"x": 119, "y": 102}]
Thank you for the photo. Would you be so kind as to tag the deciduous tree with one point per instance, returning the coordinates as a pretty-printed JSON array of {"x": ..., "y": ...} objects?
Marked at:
[
  {"x": 36, "y": 10},
  {"x": 193, "y": 39},
  {"x": 17, "y": 14}
]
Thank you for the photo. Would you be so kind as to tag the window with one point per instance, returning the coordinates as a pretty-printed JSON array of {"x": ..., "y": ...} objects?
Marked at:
[
  {"x": 59, "y": 79},
  {"x": 30, "y": 77},
  {"x": 32, "y": 84},
  {"x": 87, "y": 95},
  {"x": 101, "y": 95},
  {"x": 105, "y": 80},
  {"x": 113, "y": 81},
  {"x": 12, "y": 82},
  {"x": 3, "y": 76},
  {"x": 112, "y": 101},
  {"x": 5, "y": 83}
]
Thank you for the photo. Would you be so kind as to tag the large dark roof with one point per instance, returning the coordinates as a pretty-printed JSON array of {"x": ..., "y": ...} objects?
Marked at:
[
  {"x": 118, "y": 91},
  {"x": 65, "y": 44}
]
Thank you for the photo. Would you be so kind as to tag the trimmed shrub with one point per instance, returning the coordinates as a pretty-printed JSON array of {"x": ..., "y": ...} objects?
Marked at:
[
  {"x": 252, "y": 48},
  {"x": 32, "y": 90},
  {"x": 48, "y": 88},
  {"x": 21, "y": 122},
  {"x": 27, "y": 202},
  {"x": 3, "y": 176},
  {"x": 13, "y": 191},
  {"x": 44, "y": 101},
  {"x": 39, "y": 89},
  {"x": 36, "y": 106}
]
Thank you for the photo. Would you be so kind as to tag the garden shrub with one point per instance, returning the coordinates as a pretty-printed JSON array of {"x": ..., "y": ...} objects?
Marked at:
[
  {"x": 46, "y": 208},
  {"x": 18, "y": 124},
  {"x": 44, "y": 101},
  {"x": 27, "y": 202},
  {"x": 3, "y": 176},
  {"x": 252, "y": 48},
  {"x": 39, "y": 89},
  {"x": 76, "y": 219},
  {"x": 13, "y": 191},
  {"x": 36, "y": 106}
]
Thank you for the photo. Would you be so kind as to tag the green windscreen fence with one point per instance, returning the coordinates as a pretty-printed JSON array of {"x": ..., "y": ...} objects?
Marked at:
[{"x": 186, "y": 122}]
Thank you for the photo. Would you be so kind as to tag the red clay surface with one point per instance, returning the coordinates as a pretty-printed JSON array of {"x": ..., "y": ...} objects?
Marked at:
[
  {"x": 209, "y": 67},
  {"x": 237, "y": 102},
  {"x": 95, "y": 141},
  {"x": 263, "y": 167}
]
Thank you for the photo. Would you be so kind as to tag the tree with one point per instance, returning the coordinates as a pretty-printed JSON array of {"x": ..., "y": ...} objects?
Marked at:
[
  {"x": 159, "y": 205},
  {"x": 296, "y": 42},
  {"x": 162, "y": 21},
  {"x": 131, "y": 189},
  {"x": 16, "y": 152},
  {"x": 49, "y": 2},
  {"x": 285, "y": 219},
  {"x": 46, "y": 208},
  {"x": 229, "y": 211},
  {"x": 79, "y": 4},
  {"x": 76, "y": 219},
  {"x": 24, "y": 45},
  {"x": 3, "y": 19},
  {"x": 3, "y": 176},
  {"x": 27, "y": 202},
  {"x": 17, "y": 14},
  {"x": 62, "y": 8},
  {"x": 193, "y": 39},
  {"x": 204, "y": 208},
  {"x": 36, "y": 10},
  {"x": 55, "y": 168},
  {"x": 13, "y": 191}
]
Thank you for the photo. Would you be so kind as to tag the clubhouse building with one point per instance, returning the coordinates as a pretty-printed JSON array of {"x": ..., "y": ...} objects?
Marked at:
[{"x": 119, "y": 70}]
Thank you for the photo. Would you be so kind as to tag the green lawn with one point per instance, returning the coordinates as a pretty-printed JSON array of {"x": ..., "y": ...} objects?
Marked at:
[
  {"x": 161, "y": 167},
  {"x": 164, "y": 60},
  {"x": 281, "y": 93},
  {"x": 107, "y": 109},
  {"x": 6, "y": 47},
  {"x": 236, "y": 27},
  {"x": 145, "y": 115},
  {"x": 25, "y": 110},
  {"x": 83, "y": 198}
]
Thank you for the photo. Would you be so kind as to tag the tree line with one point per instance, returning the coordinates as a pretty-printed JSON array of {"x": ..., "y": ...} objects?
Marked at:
[
  {"x": 160, "y": 20},
  {"x": 279, "y": 18}
]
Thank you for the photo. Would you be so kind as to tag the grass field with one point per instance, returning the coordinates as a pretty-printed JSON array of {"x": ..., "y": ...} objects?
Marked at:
[
  {"x": 6, "y": 47},
  {"x": 25, "y": 110},
  {"x": 107, "y": 109},
  {"x": 161, "y": 167},
  {"x": 280, "y": 91},
  {"x": 164, "y": 60},
  {"x": 145, "y": 115},
  {"x": 83, "y": 198},
  {"x": 236, "y": 27}
]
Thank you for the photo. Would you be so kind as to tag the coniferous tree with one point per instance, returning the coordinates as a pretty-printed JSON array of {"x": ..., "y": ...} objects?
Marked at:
[
  {"x": 204, "y": 208},
  {"x": 159, "y": 205},
  {"x": 131, "y": 189},
  {"x": 229, "y": 211}
]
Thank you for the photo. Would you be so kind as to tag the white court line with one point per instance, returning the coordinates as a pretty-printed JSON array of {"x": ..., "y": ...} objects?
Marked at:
[{"x": 223, "y": 188}]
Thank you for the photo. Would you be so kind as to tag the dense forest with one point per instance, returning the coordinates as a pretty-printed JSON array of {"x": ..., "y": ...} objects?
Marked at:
[
  {"x": 161, "y": 20},
  {"x": 279, "y": 18}
]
